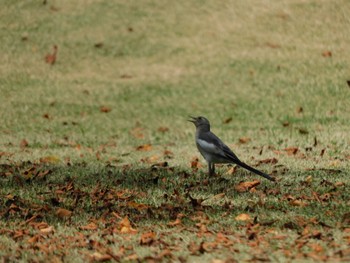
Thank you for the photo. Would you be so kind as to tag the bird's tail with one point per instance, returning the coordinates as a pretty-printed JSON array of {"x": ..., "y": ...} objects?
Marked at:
[{"x": 249, "y": 168}]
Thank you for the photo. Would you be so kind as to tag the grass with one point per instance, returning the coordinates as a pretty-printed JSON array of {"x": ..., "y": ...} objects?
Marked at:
[{"x": 277, "y": 68}]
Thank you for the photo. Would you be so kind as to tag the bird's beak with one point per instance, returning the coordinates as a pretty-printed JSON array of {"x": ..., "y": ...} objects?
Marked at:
[{"x": 193, "y": 119}]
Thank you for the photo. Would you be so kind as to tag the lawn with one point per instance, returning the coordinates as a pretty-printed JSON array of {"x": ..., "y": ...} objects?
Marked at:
[{"x": 98, "y": 160}]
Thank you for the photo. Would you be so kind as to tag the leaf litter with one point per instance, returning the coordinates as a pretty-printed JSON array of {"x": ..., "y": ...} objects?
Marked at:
[{"x": 120, "y": 217}]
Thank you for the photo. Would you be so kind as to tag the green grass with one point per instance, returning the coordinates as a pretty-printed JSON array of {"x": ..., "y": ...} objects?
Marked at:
[{"x": 158, "y": 62}]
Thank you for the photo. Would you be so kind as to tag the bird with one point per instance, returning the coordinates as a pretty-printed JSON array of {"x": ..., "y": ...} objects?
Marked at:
[{"x": 214, "y": 150}]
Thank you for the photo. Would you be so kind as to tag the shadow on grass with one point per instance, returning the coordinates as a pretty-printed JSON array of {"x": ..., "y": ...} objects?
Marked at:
[{"x": 40, "y": 192}]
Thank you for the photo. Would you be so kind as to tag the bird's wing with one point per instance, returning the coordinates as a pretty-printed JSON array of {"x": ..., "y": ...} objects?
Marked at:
[{"x": 212, "y": 144}]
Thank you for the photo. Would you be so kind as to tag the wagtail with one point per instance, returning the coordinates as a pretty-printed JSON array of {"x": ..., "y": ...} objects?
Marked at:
[{"x": 214, "y": 150}]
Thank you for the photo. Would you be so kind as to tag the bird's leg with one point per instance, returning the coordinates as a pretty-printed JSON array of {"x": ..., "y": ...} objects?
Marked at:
[{"x": 211, "y": 169}]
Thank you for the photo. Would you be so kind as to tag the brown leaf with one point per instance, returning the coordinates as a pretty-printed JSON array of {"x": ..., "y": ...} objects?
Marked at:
[
  {"x": 291, "y": 150},
  {"x": 244, "y": 140},
  {"x": 125, "y": 226},
  {"x": 348, "y": 81},
  {"x": 43, "y": 174},
  {"x": 163, "y": 129},
  {"x": 97, "y": 256},
  {"x": 285, "y": 123},
  {"x": 322, "y": 152},
  {"x": 227, "y": 120},
  {"x": 144, "y": 147},
  {"x": 246, "y": 186},
  {"x": 125, "y": 76},
  {"x": 147, "y": 238},
  {"x": 47, "y": 116},
  {"x": 51, "y": 58},
  {"x": 98, "y": 45},
  {"x": 47, "y": 230},
  {"x": 267, "y": 161},
  {"x": 90, "y": 226},
  {"x": 326, "y": 53},
  {"x": 243, "y": 217},
  {"x": 168, "y": 154},
  {"x": 151, "y": 159},
  {"x": 231, "y": 170},
  {"x": 34, "y": 239},
  {"x": 272, "y": 45},
  {"x": 63, "y": 213},
  {"x": 105, "y": 109},
  {"x": 195, "y": 164},
  {"x": 137, "y": 133},
  {"x": 300, "y": 109},
  {"x": 24, "y": 143},
  {"x": 303, "y": 131},
  {"x": 175, "y": 223}
]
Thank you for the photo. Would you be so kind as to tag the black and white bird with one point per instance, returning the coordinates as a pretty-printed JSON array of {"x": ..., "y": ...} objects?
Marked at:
[{"x": 214, "y": 150}]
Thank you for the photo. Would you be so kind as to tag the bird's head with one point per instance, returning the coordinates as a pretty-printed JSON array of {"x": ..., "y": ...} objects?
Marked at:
[{"x": 200, "y": 122}]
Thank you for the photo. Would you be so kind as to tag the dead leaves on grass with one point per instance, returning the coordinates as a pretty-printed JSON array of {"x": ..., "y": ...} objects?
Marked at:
[
  {"x": 246, "y": 186},
  {"x": 121, "y": 213}
]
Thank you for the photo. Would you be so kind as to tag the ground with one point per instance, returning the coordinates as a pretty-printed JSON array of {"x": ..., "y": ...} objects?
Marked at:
[{"x": 98, "y": 161}]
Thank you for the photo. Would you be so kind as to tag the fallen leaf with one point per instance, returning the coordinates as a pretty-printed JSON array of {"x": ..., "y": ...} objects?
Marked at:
[
  {"x": 338, "y": 184},
  {"x": 326, "y": 53},
  {"x": 151, "y": 159},
  {"x": 308, "y": 179},
  {"x": 147, "y": 238},
  {"x": 105, "y": 109},
  {"x": 63, "y": 213},
  {"x": 175, "y": 223},
  {"x": 244, "y": 140},
  {"x": 303, "y": 131},
  {"x": 125, "y": 76},
  {"x": 144, "y": 147},
  {"x": 300, "y": 109},
  {"x": 24, "y": 143},
  {"x": 98, "y": 45},
  {"x": 133, "y": 257},
  {"x": 125, "y": 226},
  {"x": 322, "y": 152},
  {"x": 227, "y": 120},
  {"x": 246, "y": 186},
  {"x": 168, "y": 154},
  {"x": 291, "y": 150},
  {"x": 219, "y": 196},
  {"x": 272, "y": 45},
  {"x": 47, "y": 116},
  {"x": 52, "y": 159},
  {"x": 267, "y": 161},
  {"x": 315, "y": 247},
  {"x": 285, "y": 123},
  {"x": 34, "y": 239},
  {"x": 47, "y": 230},
  {"x": 243, "y": 217},
  {"x": 161, "y": 164},
  {"x": 137, "y": 133},
  {"x": 97, "y": 256},
  {"x": 163, "y": 129},
  {"x": 195, "y": 164},
  {"x": 90, "y": 226},
  {"x": 51, "y": 58},
  {"x": 231, "y": 170}
]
